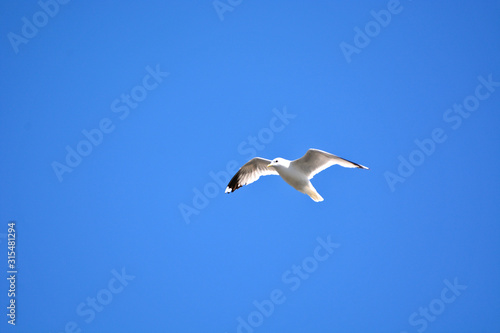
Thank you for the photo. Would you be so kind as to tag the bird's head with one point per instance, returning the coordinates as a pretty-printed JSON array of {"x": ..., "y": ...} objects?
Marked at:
[{"x": 279, "y": 162}]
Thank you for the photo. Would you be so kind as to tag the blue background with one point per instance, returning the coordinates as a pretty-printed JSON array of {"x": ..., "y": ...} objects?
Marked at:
[{"x": 121, "y": 207}]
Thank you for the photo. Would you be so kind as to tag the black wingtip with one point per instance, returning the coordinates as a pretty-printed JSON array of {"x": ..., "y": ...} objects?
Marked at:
[{"x": 233, "y": 183}]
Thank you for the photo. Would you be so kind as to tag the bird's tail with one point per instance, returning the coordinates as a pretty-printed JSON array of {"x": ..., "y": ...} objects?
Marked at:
[{"x": 311, "y": 191}]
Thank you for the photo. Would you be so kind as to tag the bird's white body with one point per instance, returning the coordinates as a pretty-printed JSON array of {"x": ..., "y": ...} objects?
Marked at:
[
  {"x": 294, "y": 176},
  {"x": 296, "y": 173}
]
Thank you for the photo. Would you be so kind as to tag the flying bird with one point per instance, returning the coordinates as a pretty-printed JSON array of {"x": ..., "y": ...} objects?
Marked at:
[{"x": 296, "y": 173}]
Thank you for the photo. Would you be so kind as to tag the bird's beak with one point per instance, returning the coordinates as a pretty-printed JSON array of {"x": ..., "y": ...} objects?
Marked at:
[{"x": 269, "y": 165}]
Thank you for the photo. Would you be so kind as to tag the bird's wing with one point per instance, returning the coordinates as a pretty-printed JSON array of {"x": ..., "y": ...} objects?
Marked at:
[
  {"x": 315, "y": 161},
  {"x": 250, "y": 172}
]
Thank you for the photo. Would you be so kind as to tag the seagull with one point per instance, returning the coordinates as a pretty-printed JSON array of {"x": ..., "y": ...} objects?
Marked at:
[{"x": 296, "y": 173}]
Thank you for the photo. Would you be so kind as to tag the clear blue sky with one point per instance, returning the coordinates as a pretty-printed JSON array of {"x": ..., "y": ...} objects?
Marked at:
[{"x": 121, "y": 122}]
